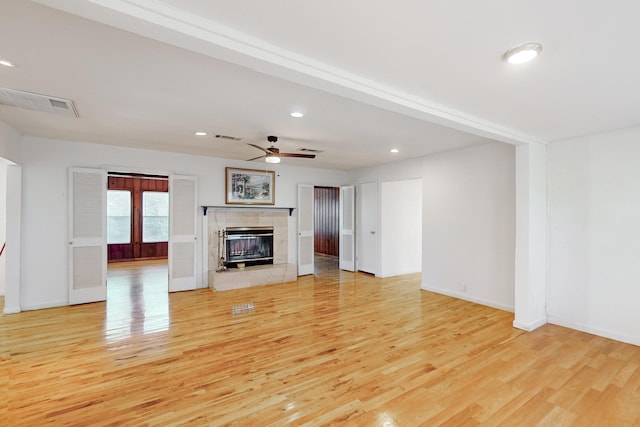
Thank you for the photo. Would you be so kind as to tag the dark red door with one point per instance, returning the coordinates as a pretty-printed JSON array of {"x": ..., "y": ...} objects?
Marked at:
[{"x": 137, "y": 221}]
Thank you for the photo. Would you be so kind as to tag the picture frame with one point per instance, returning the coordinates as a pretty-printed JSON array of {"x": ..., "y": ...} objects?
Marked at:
[{"x": 250, "y": 187}]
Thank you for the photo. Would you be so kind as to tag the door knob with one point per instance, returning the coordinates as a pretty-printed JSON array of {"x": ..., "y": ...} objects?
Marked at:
[{"x": 372, "y": 232}]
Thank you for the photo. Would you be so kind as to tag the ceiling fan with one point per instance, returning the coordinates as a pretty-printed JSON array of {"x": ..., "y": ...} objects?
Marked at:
[{"x": 273, "y": 154}]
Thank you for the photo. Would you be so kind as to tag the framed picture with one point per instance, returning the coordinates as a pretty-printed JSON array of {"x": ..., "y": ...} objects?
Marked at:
[{"x": 250, "y": 187}]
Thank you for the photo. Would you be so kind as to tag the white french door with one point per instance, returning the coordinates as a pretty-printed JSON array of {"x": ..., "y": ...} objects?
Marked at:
[
  {"x": 87, "y": 235},
  {"x": 305, "y": 229},
  {"x": 347, "y": 228},
  {"x": 182, "y": 233}
]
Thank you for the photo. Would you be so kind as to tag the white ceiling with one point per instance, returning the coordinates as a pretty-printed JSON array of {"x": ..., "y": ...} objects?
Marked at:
[{"x": 370, "y": 75}]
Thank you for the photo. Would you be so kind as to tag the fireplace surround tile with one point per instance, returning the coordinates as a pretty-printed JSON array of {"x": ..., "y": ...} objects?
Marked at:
[{"x": 221, "y": 218}]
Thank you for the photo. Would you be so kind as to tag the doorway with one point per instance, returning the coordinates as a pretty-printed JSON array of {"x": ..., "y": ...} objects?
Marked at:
[
  {"x": 137, "y": 217},
  {"x": 326, "y": 229},
  {"x": 137, "y": 244},
  {"x": 87, "y": 234}
]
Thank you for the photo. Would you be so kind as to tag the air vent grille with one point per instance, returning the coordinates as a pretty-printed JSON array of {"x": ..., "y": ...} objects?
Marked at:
[
  {"x": 228, "y": 138},
  {"x": 37, "y": 102}
]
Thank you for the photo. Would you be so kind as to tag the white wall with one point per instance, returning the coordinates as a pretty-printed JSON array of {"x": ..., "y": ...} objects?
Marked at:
[
  {"x": 468, "y": 220},
  {"x": 3, "y": 219},
  {"x": 9, "y": 143},
  {"x": 10, "y": 149},
  {"x": 531, "y": 237},
  {"x": 400, "y": 170},
  {"x": 401, "y": 225},
  {"x": 594, "y": 234},
  {"x": 469, "y": 224},
  {"x": 44, "y": 191}
]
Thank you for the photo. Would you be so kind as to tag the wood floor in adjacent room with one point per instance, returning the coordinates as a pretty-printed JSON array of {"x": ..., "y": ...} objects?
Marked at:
[{"x": 336, "y": 348}]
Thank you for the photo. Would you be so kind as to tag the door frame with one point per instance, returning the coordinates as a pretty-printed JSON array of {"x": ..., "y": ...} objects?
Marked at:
[
  {"x": 138, "y": 248},
  {"x": 200, "y": 255},
  {"x": 314, "y": 185}
]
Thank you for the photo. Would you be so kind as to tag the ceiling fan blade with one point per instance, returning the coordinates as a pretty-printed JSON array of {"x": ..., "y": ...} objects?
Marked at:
[
  {"x": 255, "y": 158},
  {"x": 259, "y": 148},
  {"x": 303, "y": 156}
]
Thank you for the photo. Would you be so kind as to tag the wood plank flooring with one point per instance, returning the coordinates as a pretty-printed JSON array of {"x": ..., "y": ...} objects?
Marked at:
[{"x": 336, "y": 348}]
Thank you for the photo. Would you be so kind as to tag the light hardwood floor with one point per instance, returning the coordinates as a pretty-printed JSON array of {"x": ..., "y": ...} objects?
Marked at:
[{"x": 336, "y": 348}]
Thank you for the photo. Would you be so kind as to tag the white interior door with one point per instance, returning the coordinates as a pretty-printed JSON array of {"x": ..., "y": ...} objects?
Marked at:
[
  {"x": 87, "y": 235},
  {"x": 367, "y": 202},
  {"x": 305, "y": 229},
  {"x": 182, "y": 233},
  {"x": 347, "y": 228}
]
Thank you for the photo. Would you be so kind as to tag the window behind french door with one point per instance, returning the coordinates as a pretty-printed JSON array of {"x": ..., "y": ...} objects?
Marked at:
[{"x": 137, "y": 217}]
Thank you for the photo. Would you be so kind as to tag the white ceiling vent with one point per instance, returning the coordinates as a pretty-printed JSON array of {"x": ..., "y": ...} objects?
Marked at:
[
  {"x": 34, "y": 101},
  {"x": 228, "y": 137}
]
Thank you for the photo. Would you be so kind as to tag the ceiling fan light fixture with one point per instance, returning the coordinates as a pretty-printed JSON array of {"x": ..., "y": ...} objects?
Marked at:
[
  {"x": 297, "y": 114},
  {"x": 522, "y": 53},
  {"x": 272, "y": 159}
]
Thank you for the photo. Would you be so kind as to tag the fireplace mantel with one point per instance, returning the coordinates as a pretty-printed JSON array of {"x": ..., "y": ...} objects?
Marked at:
[{"x": 205, "y": 208}]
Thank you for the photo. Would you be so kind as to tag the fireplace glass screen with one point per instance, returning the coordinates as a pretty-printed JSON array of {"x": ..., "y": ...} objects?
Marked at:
[{"x": 249, "y": 245}]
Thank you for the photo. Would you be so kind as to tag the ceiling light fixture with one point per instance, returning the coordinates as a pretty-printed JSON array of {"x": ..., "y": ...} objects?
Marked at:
[
  {"x": 6, "y": 63},
  {"x": 522, "y": 53},
  {"x": 200, "y": 133},
  {"x": 395, "y": 150},
  {"x": 297, "y": 114},
  {"x": 272, "y": 159}
]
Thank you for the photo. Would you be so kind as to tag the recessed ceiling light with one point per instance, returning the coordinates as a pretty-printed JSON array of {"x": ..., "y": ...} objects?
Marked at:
[
  {"x": 6, "y": 63},
  {"x": 522, "y": 53},
  {"x": 200, "y": 133},
  {"x": 395, "y": 150},
  {"x": 297, "y": 114}
]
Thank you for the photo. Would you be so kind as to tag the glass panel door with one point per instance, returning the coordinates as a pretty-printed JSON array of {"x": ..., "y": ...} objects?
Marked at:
[
  {"x": 118, "y": 216},
  {"x": 155, "y": 217}
]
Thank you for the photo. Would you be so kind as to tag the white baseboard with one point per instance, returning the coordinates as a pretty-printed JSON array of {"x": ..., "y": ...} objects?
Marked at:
[
  {"x": 50, "y": 304},
  {"x": 531, "y": 326},
  {"x": 11, "y": 310},
  {"x": 467, "y": 297},
  {"x": 635, "y": 340}
]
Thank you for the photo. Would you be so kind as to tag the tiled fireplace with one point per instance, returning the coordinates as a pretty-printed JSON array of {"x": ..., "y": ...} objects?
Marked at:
[{"x": 227, "y": 221}]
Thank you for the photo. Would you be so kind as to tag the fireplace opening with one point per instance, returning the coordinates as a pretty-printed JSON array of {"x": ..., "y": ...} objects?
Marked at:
[{"x": 248, "y": 245}]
